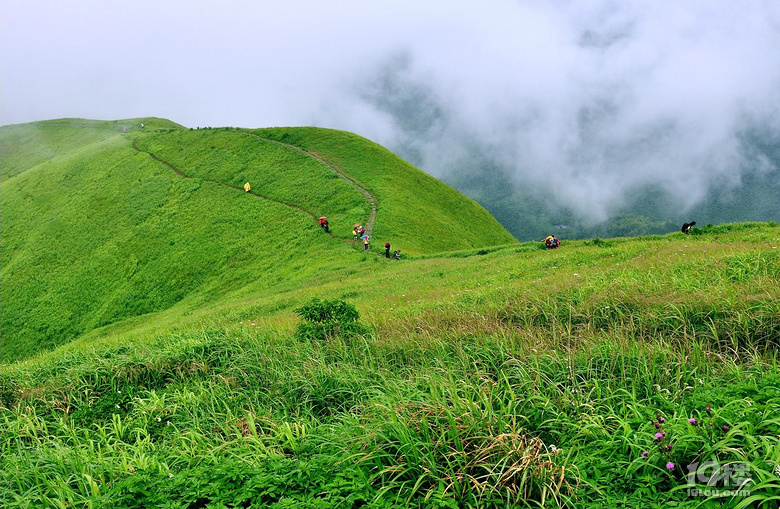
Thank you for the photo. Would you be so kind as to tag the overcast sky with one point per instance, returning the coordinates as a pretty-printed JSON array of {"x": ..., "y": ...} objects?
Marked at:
[{"x": 590, "y": 97}]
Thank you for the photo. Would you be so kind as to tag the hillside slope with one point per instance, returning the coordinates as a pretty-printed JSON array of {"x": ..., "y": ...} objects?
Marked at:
[
  {"x": 104, "y": 221},
  {"x": 544, "y": 377}
]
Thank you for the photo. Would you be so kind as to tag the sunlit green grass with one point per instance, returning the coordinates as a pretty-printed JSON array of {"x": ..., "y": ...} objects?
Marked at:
[
  {"x": 487, "y": 376},
  {"x": 106, "y": 221},
  {"x": 518, "y": 377}
]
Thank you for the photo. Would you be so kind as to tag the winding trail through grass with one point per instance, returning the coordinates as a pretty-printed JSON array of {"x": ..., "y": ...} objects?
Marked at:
[
  {"x": 370, "y": 197},
  {"x": 369, "y": 226},
  {"x": 253, "y": 193}
]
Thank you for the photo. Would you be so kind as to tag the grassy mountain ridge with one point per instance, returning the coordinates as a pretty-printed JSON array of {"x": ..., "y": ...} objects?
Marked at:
[{"x": 104, "y": 221}]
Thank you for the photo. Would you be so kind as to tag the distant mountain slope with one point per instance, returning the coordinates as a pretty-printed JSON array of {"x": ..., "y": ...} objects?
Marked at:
[
  {"x": 103, "y": 221},
  {"x": 24, "y": 146}
]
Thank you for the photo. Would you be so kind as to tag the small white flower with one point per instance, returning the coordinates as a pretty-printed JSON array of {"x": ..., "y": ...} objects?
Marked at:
[
  {"x": 553, "y": 448},
  {"x": 159, "y": 419},
  {"x": 117, "y": 406},
  {"x": 170, "y": 475}
]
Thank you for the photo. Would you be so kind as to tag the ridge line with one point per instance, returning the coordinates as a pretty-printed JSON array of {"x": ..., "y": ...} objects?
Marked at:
[{"x": 351, "y": 180}]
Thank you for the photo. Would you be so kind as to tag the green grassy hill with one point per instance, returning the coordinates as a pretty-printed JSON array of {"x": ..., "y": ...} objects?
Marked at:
[
  {"x": 176, "y": 370},
  {"x": 104, "y": 221}
]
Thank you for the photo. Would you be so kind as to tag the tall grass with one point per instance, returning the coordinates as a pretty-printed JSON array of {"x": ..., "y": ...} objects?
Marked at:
[{"x": 237, "y": 416}]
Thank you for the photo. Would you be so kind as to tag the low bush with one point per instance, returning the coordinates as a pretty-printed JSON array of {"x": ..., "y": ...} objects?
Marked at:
[{"x": 327, "y": 319}]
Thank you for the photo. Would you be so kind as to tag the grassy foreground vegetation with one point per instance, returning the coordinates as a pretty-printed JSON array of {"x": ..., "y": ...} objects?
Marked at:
[
  {"x": 519, "y": 377},
  {"x": 279, "y": 371}
]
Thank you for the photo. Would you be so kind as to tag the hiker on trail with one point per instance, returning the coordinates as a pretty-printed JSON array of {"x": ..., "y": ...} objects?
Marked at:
[
  {"x": 686, "y": 227},
  {"x": 551, "y": 242},
  {"x": 365, "y": 242},
  {"x": 247, "y": 187},
  {"x": 324, "y": 223},
  {"x": 387, "y": 249},
  {"x": 397, "y": 254},
  {"x": 355, "y": 233},
  {"x": 361, "y": 232}
]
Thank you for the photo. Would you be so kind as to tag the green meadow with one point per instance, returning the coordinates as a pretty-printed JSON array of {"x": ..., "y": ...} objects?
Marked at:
[{"x": 170, "y": 340}]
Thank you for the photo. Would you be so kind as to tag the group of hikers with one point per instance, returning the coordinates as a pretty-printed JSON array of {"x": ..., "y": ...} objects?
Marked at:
[
  {"x": 552, "y": 242},
  {"x": 359, "y": 232}
]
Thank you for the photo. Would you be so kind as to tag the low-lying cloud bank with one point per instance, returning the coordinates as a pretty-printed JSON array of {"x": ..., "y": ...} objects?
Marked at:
[{"x": 588, "y": 104}]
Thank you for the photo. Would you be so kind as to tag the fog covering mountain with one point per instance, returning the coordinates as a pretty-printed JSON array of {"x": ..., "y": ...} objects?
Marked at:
[{"x": 736, "y": 182}]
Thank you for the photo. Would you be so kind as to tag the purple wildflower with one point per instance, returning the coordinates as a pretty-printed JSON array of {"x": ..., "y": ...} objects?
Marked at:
[
  {"x": 709, "y": 409},
  {"x": 662, "y": 419},
  {"x": 692, "y": 421},
  {"x": 657, "y": 425},
  {"x": 725, "y": 427},
  {"x": 659, "y": 435},
  {"x": 669, "y": 465},
  {"x": 644, "y": 454}
]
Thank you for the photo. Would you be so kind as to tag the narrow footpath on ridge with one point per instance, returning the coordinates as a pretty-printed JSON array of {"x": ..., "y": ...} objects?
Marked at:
[
  {"x": 369, "y": 226},
  {"x": 253, "y": 193},
  {"x": 369, "y": 196},
  {"x": 372, "y": 200}
]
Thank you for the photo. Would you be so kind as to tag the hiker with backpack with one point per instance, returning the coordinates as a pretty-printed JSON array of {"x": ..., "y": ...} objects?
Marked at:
[
  {"x": 365, "y": 242},
  {"x": 387, "y": 249},
  {"x": 686, "y": 227},
  {"x": 551, "y": 242},
  {"x": 324, "y": 224}
]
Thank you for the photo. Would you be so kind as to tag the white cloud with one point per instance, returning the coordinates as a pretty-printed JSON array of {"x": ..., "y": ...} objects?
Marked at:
[{"x": 588, "y": 97}]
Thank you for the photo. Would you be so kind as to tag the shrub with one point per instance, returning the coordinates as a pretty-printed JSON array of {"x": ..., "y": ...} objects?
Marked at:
[{"x": 326, "y": 319}]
